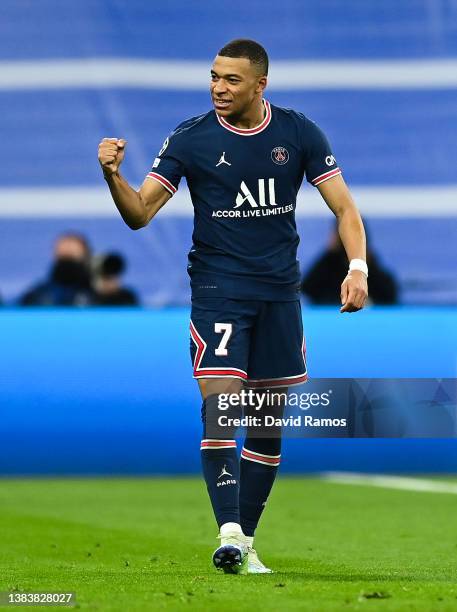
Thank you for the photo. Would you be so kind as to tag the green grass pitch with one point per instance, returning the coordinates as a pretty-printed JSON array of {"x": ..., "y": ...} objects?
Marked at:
[{"x": 146, "y": 544}]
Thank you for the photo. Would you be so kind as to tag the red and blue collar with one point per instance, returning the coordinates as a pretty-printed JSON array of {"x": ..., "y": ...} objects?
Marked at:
[{"x": 249, "y": 131}]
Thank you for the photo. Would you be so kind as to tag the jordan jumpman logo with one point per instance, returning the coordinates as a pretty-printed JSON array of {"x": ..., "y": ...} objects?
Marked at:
[
  {"x": 224, "y": 472},
  {"x": 222, "y": 160}
]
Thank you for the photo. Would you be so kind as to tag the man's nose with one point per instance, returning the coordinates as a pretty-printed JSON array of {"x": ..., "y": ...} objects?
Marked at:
[{"x": 219, "y": 87}]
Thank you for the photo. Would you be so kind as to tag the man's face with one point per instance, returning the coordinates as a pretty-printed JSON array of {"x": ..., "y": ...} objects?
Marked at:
[
  {"x": 70, "y": 248},
  {"x": 235, "y": 84}
]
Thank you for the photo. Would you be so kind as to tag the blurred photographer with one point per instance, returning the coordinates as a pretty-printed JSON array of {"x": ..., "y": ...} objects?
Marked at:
[
  {"x": 69, "y": 280},
  {"x": 108, "y": 287},
  {"x": 321, "y": 283}
]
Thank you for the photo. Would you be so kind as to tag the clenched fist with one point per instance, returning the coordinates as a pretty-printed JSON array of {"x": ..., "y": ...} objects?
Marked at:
[{"x": 110, "y": 154}]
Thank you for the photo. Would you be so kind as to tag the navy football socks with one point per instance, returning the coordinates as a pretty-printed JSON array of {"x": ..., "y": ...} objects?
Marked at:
[
  {"x": 259, "y": 463},
  {"x": 238, "y": 488},
  {"x": 220, "y": 463}
]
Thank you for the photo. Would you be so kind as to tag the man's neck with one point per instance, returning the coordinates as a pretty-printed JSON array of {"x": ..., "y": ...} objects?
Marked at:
[{"x": 250, "y": 119}]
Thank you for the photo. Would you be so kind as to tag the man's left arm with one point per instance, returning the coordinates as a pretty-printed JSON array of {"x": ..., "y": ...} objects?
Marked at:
[{"x": 354, "y": 288}]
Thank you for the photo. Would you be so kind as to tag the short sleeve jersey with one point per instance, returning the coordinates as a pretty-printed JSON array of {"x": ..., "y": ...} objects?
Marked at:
[{"x": 243, "y": 185}]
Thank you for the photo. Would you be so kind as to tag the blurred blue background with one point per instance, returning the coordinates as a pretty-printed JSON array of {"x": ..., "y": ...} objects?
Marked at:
[
  {"x": 112, "y": 392},
  {"x": 91, "y": 392},
  {"x": 380, "y": 78}
]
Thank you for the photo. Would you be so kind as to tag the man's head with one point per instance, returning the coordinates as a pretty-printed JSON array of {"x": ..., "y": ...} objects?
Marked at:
[
  {"x": 238, "y": 77},
  {"x": 72, "y": 246},
  {"x": 108, "y": 273},
  {"x": 71, "y": 261}
]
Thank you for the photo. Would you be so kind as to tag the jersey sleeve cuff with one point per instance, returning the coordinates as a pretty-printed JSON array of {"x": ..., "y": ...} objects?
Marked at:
[
  {"x": 163, "y": 181},
  {"x": 324, "y": 177}
]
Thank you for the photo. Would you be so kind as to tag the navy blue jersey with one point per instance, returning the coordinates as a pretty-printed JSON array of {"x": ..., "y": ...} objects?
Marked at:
[{"x": 244, "y": 184}]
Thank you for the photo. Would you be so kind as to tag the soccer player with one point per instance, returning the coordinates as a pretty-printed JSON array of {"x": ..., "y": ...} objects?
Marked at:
[{"x": 244, "y": 162}]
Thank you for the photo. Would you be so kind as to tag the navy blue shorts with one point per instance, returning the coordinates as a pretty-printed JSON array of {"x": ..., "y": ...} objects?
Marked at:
[{"x": 259, "y": 342}]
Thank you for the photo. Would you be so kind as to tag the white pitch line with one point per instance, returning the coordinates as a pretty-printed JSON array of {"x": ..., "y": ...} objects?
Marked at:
[
  {"x": 390, "y": 482},
  {"x": 285, "y": 75}
]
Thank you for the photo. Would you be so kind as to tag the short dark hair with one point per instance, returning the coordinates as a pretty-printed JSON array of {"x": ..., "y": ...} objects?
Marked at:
[
  {"x": 111, "y": 264},
  {"x": 250, "y": 49}
]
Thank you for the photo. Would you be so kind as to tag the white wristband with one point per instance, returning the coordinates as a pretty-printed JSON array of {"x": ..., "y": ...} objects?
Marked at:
[{"x": 358, "y": 264}]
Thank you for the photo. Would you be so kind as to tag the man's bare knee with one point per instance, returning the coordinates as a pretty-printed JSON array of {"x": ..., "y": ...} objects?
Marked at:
[
  {"x": 278, "y": 396},
  {"x": 211, "y": 386},
  {"x": 271, "y": 397}
]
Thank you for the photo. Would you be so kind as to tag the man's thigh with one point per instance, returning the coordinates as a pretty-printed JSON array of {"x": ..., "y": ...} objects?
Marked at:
[
  {"x": 277, "y": 347},
  {"x": 220, "y": 336}
]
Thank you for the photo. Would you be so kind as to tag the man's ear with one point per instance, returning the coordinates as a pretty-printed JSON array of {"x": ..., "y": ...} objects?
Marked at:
[{"x": 262, "y": 84}]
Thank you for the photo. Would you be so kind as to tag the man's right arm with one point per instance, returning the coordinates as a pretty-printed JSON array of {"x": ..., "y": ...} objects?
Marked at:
[{"x": 137, "y": 208}]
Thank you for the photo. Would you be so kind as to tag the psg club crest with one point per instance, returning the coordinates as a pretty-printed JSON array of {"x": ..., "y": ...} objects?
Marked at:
[{"x": 280, "y": 156}]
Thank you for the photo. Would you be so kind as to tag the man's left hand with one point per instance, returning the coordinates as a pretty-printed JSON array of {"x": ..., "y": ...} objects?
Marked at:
[{"x": 354, "y": 291}]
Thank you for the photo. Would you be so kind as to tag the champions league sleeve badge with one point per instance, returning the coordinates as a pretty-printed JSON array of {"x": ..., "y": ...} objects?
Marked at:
[
  {"x": 164, "y": 146},
  {"x": 280, "y": 156}
]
